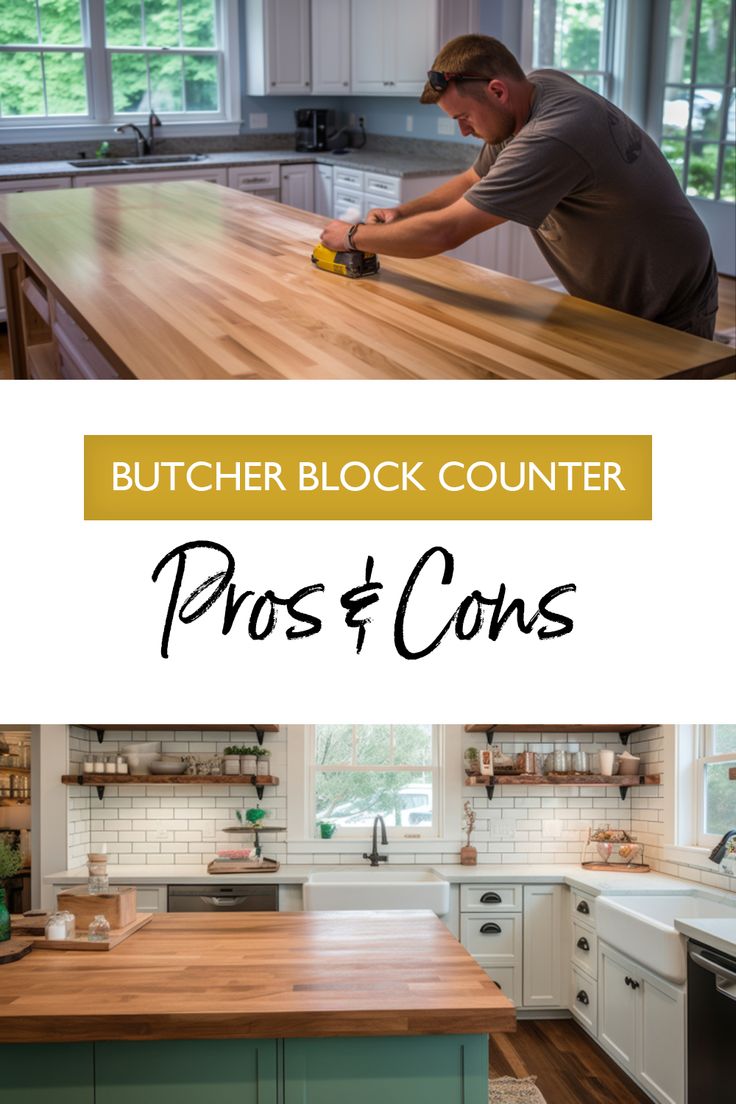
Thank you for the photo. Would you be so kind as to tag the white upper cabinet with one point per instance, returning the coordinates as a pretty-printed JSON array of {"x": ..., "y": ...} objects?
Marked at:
[
  {"x": 278, "y": 47},
  {"x": 393, "y": 45},
  {"x": 331, "y": 47}
]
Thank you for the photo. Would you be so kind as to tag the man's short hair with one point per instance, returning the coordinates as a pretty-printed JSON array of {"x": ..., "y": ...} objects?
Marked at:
[{"x": 477, "y": 54}]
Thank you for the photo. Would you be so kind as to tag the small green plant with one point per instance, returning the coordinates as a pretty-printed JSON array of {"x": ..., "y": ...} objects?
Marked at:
[{"x": 10, "y": 860}]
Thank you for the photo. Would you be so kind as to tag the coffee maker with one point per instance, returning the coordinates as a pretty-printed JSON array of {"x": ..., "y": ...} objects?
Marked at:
[{"x": 313, "y": 127}]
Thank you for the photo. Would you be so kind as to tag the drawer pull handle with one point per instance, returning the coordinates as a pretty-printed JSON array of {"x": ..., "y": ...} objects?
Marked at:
[
  {"x": 490, "y": 929},
  {"x": 582, "y": 997},
  {"x": 491, "y": 899},
  {"x": 632, "y": 983},
  {"x": 584, "y": 907},
  {"x": 583, "y": 943}
]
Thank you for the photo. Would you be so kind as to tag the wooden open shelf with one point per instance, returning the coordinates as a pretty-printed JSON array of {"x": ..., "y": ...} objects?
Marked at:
[
  {"x": 102, "y": 780},
  {"x": 15, "y": 770},
  {"x": 101, "y": 729},
  {"x": 624, "y": 782},
  {"x": 732, "y": 773},
  {"x": 622, "y": 731}
]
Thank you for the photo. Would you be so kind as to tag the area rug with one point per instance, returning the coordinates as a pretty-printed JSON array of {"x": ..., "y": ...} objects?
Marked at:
[{"x": 509, "y": 1090}]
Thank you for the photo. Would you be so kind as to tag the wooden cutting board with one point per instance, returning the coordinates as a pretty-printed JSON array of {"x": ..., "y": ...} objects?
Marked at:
[
  {"x": 13, "y": 949},
  {"x": 268, "y": 866},
  {"x": 82, "y": 943}
]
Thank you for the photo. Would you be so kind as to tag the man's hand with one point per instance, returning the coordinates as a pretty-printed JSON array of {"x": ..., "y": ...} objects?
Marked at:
[
  {"x": 383, "y": 214},
  {"x": 335, "y": 236}
]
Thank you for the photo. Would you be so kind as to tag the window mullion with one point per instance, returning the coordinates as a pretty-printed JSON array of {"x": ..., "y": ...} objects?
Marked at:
[{"x": 100, "y": 73}]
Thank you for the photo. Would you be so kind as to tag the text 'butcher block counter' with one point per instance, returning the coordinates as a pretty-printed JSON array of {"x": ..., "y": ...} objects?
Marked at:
[
  {"x": 190, "y": 280},
  {"x": 257, "y": 975}
]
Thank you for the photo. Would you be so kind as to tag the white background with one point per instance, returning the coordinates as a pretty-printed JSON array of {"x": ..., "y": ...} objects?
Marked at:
[{"x": 655, "y": 612}]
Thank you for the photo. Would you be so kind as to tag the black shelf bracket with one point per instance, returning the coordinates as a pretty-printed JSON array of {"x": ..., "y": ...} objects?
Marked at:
[
  {"x": 100, "y": 735},
  {"x": 490, "y": 790},
  {"x": 100, "y": 792},
  {"x": 259, "y": 735},
  {"x": 623, "y": 790},
  {"x": 624, "y": 737},
  {"x": 259, "y": 791},
  {"x": 490, "y": 733}
]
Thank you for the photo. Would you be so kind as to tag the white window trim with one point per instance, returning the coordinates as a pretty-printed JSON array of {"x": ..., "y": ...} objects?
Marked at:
[
  {"x": 101, "y": 121},
  {"x": 300, "y": 840},
  {"x": 683, "y": 790}
]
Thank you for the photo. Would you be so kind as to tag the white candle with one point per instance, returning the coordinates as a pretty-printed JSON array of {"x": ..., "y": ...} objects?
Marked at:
[
  {"x": 56, "y": 929},
  {"x": 89, "y": 766}
]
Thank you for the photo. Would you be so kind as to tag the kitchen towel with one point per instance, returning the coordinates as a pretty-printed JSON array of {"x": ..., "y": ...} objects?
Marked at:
[{"x": 509, "y": 1090}]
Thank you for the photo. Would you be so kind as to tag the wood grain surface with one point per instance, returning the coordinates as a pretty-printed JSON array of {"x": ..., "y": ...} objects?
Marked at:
[
  {"x": 191, "y": 280},
  {"x": 259, "y": 975}
]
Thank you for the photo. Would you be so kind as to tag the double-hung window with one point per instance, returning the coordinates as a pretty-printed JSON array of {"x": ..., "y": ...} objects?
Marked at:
[
  {"x": 66, "y": 62},
  {"x": 358, "y": 772},
  {"x": 574, "y": 35},
  {"x": 716, "y": 802}
]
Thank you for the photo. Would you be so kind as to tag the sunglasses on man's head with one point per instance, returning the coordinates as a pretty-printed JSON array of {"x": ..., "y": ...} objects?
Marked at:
[{"x": 439, "y": 81}]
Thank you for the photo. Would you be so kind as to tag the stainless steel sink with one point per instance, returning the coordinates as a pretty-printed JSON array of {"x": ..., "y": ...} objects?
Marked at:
[{"x": 124, "y": 162}]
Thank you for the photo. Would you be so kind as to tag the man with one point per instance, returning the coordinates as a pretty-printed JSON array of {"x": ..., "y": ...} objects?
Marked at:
[{"x": 600, "y": 199}]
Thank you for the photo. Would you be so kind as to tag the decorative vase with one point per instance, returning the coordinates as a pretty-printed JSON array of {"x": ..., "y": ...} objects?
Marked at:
[
  {"x": 263, "y": 766},
  {"x": 247, "y": 764},
  {"x": 468, "y": 856},
  {"x": 4, "y": 918}
]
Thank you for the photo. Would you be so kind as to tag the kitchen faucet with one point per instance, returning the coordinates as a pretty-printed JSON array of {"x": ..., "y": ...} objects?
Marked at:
[
  {"x": 143, "y": 145},
  {"x": 718, "y": 853},
  {"x": 374, "y": 856}
]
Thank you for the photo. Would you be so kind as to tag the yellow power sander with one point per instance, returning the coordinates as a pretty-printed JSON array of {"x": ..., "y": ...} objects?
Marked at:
[{"x": 344, "y": 263}]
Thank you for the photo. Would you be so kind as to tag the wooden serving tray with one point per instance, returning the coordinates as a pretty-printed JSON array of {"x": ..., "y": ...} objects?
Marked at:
[
  {"x": 82, "y": 943},
  {"x": 268, "y": 866},
  {"x": 625, "y": 868},
  {"x": 13, "y": 949}
]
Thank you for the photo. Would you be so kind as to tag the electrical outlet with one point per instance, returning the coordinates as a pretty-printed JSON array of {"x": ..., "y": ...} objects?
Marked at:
[
  {"x": 258, "y": 120},
  {"x": 409, "y": 123},
  {"x": 502, "y": 829},
  {"x": 445, "y": 125}
]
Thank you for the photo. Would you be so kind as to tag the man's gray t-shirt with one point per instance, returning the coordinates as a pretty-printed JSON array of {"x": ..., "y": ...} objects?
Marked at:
[{"x": 603, "y": 205}]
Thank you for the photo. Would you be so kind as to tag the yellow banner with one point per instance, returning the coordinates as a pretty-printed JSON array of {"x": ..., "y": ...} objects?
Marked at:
[{"x": 381, "y": 478}]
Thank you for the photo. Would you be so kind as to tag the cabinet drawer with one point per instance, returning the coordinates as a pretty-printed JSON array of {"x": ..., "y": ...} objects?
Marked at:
[
  {"x": 503, "y": 898},
  {"x": 352, "y": 179},
  {"x": 492, "y": 940},
  {"x": 254, "y": 179},
  {"x": 387, "y": 187},
  {"x": 79, "y": 358},
  {"x": 41, "y": 184},
  {"x": 348, "y": 205},
  {"x": 585, "y": 949},
  {"x": 584, "y": 1000},
  {"x": 508, "y": 979},
  {"x": 583, "y": 908}
]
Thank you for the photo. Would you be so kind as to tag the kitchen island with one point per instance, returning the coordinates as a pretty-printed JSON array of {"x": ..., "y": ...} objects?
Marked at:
[
  {"x": 299, "y": 1008},
  {"x": 191, "y": 280}
]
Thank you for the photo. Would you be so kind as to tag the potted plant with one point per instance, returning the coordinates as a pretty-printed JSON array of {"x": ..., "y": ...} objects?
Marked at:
[
  {"x": 472, "y": 762},
  {"x": 263, "y": 761},
  {"x": 248, "y": 756},
  {"x": 468, "y": 854},
  {"x": 10, "y": 864},
  {"x": 232, "y": 760}
]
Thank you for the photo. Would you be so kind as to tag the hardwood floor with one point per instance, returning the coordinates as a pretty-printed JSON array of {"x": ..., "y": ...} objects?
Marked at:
[
  {"x": 570, "y": 1068},
  {"x": 726, "y": 321}
]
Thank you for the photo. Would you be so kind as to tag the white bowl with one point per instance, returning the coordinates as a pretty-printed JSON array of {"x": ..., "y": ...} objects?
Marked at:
[
  {"x": 140, "y": 756},
  {"x": 167, "y": 766}
]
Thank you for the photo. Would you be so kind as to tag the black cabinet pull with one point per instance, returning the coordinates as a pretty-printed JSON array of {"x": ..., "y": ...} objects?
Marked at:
[
  {"x": 627, "y": 981},
  {"x": 490, "y": 929},
  {"x": 582, "y": 997},
  {"x": 584, "y": 908},
  {"x": 583, "y": 943},
  {"x": 634, "y": 984},
  {"x": 491, "y": 899}
]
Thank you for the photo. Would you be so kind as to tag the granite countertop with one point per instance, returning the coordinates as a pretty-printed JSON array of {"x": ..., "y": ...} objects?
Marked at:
[
  {"x": 390, "y": 163},
  {"x": 590, "y": 881}
]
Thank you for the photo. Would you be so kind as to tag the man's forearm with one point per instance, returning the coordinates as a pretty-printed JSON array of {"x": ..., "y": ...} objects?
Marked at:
[
  {"x": 441, "y": 197},
  {"x": 422, "y": 235}
]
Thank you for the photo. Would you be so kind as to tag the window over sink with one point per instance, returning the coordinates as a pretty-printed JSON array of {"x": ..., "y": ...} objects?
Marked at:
[{"x": 67, "y": 62}]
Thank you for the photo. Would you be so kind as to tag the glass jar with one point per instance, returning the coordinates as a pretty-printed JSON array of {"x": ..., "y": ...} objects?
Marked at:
[
  {"x": 70, "y": 924},
  {"x": 56, "y": 926},
  {"x": 581, "y": 762},
  {"x": 559, "y": 762},
  {"x": 99, "y": 930}
]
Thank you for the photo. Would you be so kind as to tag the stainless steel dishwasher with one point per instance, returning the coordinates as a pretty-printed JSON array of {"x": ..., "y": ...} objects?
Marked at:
[
  {"x": 223, "y": 898},
  {"x": 711, "y": 1023}
]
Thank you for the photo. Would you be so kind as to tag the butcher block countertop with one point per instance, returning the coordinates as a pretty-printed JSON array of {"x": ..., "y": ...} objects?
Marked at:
[
  {"x": 256, "y": 975},
  {"x": 190, "y": 280}
]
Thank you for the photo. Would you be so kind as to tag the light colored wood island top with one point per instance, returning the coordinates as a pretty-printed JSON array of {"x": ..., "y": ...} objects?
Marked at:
[
  {"x": 191, "y": 280},
  {"x": 257, "y": 975}
]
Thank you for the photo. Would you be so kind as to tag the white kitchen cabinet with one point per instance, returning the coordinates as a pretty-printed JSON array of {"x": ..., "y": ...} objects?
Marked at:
[
  {"x": 545, "y": 966},
  {"x": 641, "y": 1024},
  {"x": 323, "y": 190},
  {"x": 277, "y": 47},
  {"x": 331, "y": 47},
  {"x": 40, "y": 184},
  {"x": 393, "y": 45},
  {"x": 261, "y": 180},
  {"x": 491, "y": 898},
  {"x": 584, "y": 1000},
  {"x": 213, "y": 176},
  {"x": 297, "y": 186},
  {"x": 585, "y": 949},
  {"x": 348, "y": 206}
]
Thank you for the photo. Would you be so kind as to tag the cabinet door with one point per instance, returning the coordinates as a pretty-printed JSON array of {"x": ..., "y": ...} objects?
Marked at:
[
  {"x": 661, "y": 1064},
  {"x": 616, "y": 1009},
  {"x": 287, "y": 29},
  {"x": 331, "y": 47},
  {"x": 458, "y": 17},
  {"x": 297, "y": 186},
  {"x": 36, "y": 1073},
  {"x": 323, "y": 190},
  {"x": 228, "y": 1071},
  {"x": 370, "y": 28},
  {"x": 543, "y": 955},
  {"x": 492, "y": 940},
  {"x": 414, "y": 38}
]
